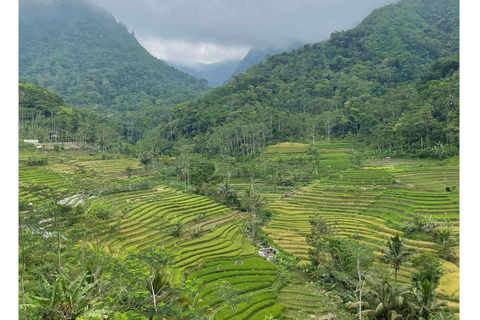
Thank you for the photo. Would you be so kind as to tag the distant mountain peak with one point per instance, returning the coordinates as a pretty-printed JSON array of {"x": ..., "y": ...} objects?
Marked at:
[{"x": 79, "y": 50}]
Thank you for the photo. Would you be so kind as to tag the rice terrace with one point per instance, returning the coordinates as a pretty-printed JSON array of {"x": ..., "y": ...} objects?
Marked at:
[{"x": 320, "y": 182}]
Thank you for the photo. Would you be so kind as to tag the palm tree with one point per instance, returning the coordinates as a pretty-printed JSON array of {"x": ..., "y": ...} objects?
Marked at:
[
  {"x": 447, "y": 242},
  {"x": 384, "y": 300},
  {"x": 397, "y": 254},
  {"x": 423, "y": 304},
  {"x": 145, "y": 159}
]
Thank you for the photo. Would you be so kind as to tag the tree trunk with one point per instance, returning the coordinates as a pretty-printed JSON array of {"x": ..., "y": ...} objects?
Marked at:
[
  {"x": 23, "y": 288},
  {"x": 59, "y": 249},
  {"x": 153, "y": 296},
  {"x": 360, "y": 290}
]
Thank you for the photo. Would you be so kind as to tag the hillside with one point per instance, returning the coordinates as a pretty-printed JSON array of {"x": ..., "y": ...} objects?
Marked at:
[
  {"x": 337, "y": 81},
  {"x": 257, "y": 55},
  {"x": 216, "y": 74},
  {"x": 220, "y": 73},
  {"x": 80, "y": 51}
]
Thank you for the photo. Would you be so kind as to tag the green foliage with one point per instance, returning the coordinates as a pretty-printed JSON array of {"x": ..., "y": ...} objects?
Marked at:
[
  {"x": 197, "y": 231},
  {"x": 396, "y": 255},
  {"x": 317, "y": 239},
  {"x": 366, "y": 83},
  {"x": 420, "y": 223},
  {"x": 179, "y": 227},
  {"x": 422, "y": 303},
  {"x": 64, "y": 297},
  {"x": 384, "y": 300},
  {"x": 447, "y": 242},
  {"x": 79, "y": 50},
  {"x": 36, "y": 160},
  {"x": 428, "y": 268}
]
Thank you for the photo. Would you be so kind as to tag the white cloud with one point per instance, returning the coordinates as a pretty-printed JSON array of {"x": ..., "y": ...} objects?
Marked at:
[
  {"x": 187, "y": 53},
  {"x": 212, "y": 29}
]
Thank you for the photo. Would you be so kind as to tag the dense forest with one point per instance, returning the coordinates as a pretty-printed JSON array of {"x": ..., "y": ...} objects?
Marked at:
[
  {"x": 78, "y": 50},
  {"x": 321, "y": 183},
  {"x": 346, "y": 84},
  {"x": 364, "y": 83}
]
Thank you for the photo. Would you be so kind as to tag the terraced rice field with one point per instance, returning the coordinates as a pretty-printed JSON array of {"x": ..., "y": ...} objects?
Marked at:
[
  {"x": 432, "y": 179},
  {"x": 302, "y": 300},
  {"x": 220, "y": 245},
  {"x": 151, "y": 219},
  {"x": 253, "y": 278},
  {"x": 108, "y": 167},
  {"x": 40, "y": 176},
  {"x": 370, "y": 204}
]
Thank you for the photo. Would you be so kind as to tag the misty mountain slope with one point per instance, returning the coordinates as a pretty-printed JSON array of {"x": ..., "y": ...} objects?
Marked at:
[
  {"x": 220, "y": 73},
  {"x": 216, "y": 74},
  {"x": 337, "y": 80},
  {"x": 392, "y": 46},
  {"x": 256, "y": 55},
  {"x": 78, "y": 50}
]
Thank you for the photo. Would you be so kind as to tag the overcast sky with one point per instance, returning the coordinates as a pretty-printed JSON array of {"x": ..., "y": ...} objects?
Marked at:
[{"x": 189, "y": 31}]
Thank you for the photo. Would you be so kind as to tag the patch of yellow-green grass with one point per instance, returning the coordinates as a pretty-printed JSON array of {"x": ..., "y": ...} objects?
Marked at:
[{"x": 449, "y": 282}]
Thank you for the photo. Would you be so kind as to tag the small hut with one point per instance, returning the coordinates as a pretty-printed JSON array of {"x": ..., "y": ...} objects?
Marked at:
[{"x": 53, "y": 135}]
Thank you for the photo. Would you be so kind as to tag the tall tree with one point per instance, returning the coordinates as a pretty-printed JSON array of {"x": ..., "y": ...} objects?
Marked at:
[{"x": 396, "y": 255}]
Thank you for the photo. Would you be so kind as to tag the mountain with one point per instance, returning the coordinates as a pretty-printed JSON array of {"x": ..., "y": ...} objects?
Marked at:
[
  {"x": 216, "y": 74},
  {"x": 220, "y": 73},
  {"x": 258, "y": 54},
  {"x": 338, "y": 87},
  {"x": 80, "y": 51}
]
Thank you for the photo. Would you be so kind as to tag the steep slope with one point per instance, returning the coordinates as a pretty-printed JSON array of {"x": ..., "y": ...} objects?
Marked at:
[
  {"x": 216, "y": 74},
  {"x": 78, "y": 50},
  {"x": 221, "y": 72},
  {"x": 256, "y": 55},
  {"x": 328, "y": 88}
]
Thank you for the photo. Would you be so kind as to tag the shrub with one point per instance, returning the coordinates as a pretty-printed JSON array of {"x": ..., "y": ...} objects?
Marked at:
[
  {"x": 58, "y": 148},
  {"x": 197, "y": 231},
  {"x": 106, "y": 156},
  {"x": 36, "y": 160},
  {"x": 179, "y": 227}
]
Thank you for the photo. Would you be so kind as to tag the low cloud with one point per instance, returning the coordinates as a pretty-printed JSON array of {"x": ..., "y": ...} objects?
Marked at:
[
  {"x": 187, "y": 53},
  {"x": 212, "y": 30}
]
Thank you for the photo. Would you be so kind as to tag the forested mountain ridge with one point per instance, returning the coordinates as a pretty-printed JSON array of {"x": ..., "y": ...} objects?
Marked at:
[
  {"x": 256, "y": 55},
  {"x": 220, "y": 73},
  {"x": 334, "y": 88},
  {"x": 216, "y": 74},
  {"x": 80, "y": 51}
]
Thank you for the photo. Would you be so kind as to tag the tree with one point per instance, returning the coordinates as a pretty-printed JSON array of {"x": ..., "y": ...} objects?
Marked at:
[
  {"x": 252, "y": 202},
  {"x": 447, "y": 243},
  {"x": 179, "y": 227},
  {"x": 428, "y": 267},
  {"x": 184, "y": 161},
  {"x": 88, "y": 185},
  {"x": 159, "y": 281},
  {"x": 145, "y": 159},
  {"x": 397, "y": 254},
  {"x": 316, "y": 239},
  {"x": 422, "y": 302},
  {"x": 128, "y": 171},
  {"x": 384, "y": 300},
  {"x": 48, "y": 215},
  {"x": 363, "y": 257}
]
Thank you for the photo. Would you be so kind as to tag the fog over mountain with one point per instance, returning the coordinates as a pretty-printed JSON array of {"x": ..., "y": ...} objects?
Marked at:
[{"x": 191, "y": 31}]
